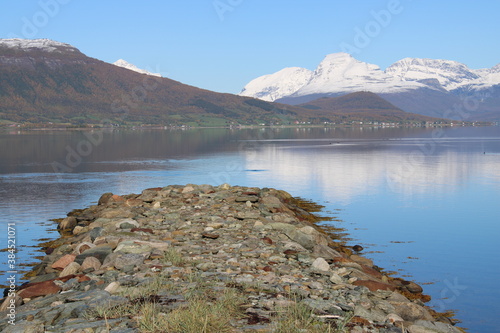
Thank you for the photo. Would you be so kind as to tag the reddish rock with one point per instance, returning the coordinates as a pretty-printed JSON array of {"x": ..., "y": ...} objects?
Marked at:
[
  {"x": 341, "y": 260},
  {"x": 64, "y": 261},
  {"x": 290, "y": 252},
  {"x": 360, "y": 321},
  {"x": 371, "y": 271},
  {"x": 210, "y": 236},
  {"x": 147, "y": 230},
  {"x": 117, "y": 198},
  {"x": 267, "y": 240},
  {"x": 267, "y": 269},
  {"x": 157, "y": 189},
  {"x": 412, "y": 287},
  {"x": 374, "y": 285},
  {"x": 83, "y": 278},
  {"x": 39, "y": 289}
]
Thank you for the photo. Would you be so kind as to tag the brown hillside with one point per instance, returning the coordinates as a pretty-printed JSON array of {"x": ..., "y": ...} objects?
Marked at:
[{"x": 361, "y": 106}]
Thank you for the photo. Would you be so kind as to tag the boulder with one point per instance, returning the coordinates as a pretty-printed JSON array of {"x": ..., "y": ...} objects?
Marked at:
[
  {"x": 374, "y": 285},
  {"x": 361, "y": 260},
  {"x": 67, "y": 223},
  {"x": 39, "y": 289},
  {"x": 103, "y": 200},
  {"x": 100, "y": 252},
  {"x": 410, "y": 311},
  {"x": 64, "y": 261},
  {"x": 320, "y": 264},
  {"x": 119, "y": 260},
  {"x": 71, "y": 269}
]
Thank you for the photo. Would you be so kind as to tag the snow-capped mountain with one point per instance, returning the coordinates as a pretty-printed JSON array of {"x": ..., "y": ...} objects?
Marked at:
[
  {"x": 341, "y": 73},
  {"x": 278, "y": 85},
  {"x": 425, "y": 86},
  {"x": 127, "y": 65},
  {"x": 449, "y": 74},
  {"x": 41, "y": 44}
]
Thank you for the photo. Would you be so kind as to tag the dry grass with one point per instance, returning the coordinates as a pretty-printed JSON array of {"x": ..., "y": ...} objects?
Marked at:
[
  {"x": 299, "y": 318},
  {"x": 203, "y": 316},
  {"x": 174, "y": 257}
]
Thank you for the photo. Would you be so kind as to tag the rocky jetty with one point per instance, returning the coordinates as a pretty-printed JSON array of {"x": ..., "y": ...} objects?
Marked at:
[{"x": 199, "y": 258}]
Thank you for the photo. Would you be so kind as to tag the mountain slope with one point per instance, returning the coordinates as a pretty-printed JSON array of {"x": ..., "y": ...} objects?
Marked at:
[
  {"x": 425, "y": 86},
  {"x": 47, "y": 81},
  {"x": 363, "y": 106}
]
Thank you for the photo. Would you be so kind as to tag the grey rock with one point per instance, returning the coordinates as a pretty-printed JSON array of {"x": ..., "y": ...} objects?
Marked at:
[
  {"x": 119, "y": 260},
  {"x": 336, "y": 279},
  {"x": 410, "y": 311},
  {"x": 35, "y": 326},
  {"x": 251, "y": 198},
  {"x": 248, "y": 214},
  {"x": 324, "y": 251},
  {"x": 70, "y": 284},
  {"x": 90, "y": 264},
  {"x": 434, "y": 327},
  {"x": 108, "y": 301},
  {"x": 244, "y": 278},
  {"x": 373, "y": 315},
  {"x": 320, "y": 306},
  {"x": 320, "y": 264},
  {"x": 99, "y": 252},
  {"x": 133, "y": 247},
  {"x": 94, "y": 233},
  {"x": 71, "y": 269},
  {"x": 45, "y": 277}
]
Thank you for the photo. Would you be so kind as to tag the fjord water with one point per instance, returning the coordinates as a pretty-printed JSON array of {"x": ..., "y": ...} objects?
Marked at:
[{"x": 423, "y": 202}]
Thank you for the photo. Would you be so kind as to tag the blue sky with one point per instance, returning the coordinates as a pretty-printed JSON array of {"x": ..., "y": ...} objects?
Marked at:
[{"x": 222, "y": 44}]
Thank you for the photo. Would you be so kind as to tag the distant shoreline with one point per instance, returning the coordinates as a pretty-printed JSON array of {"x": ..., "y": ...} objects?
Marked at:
[{"x": 160, "y": 127}]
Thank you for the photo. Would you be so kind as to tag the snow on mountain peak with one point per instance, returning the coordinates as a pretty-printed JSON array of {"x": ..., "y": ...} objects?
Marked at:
[
  {"x": 124, "y": 64},
  {"x": 280, "y": 84},
  {"x": 42, "y": 44},
  {"x": 339, "y": 66},
  {"x": 342, "y": 73},
  {"x": 450, "y": 74}
]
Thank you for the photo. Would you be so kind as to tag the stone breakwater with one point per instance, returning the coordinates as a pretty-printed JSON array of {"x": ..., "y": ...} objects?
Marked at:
[{"x": 199, "y": 258}]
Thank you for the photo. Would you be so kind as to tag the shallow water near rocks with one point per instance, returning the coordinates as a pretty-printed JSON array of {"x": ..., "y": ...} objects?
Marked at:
[{"x": 422, "y": 202}]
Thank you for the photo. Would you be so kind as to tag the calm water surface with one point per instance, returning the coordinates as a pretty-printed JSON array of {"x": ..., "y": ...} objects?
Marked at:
[{"x": 423, "y": 202}]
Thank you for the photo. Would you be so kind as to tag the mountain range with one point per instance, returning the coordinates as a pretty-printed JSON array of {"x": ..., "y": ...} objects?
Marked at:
[
  {"x": 45, "y": 81},
  {"x": 438, "y": 88}
]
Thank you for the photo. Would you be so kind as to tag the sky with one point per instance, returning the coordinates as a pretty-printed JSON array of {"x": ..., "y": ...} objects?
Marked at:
[{"x": 221, "y": 45}]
